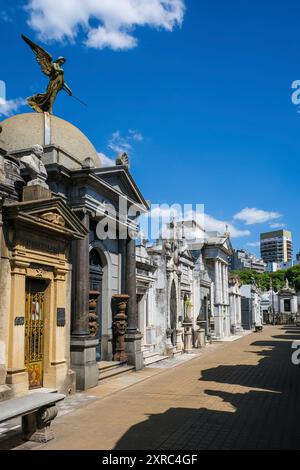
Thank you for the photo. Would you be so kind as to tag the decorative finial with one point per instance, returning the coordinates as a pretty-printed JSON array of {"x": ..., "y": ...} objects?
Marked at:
[{"x": 123, "y": 160}]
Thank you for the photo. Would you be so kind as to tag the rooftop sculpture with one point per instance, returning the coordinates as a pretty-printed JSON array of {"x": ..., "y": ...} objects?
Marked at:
[{"x": 43, "y": 102}]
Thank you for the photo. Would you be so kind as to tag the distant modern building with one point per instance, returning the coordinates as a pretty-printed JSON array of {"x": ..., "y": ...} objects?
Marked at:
[
  {"x": 298, "y": 256},
  {"x": 274, "y": 267},
  {"x": 242, "y": 260},
  {"x": 276, "y": 246}
]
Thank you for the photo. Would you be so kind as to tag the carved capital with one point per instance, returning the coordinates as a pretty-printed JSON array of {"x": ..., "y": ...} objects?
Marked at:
[{"x": 19, "y": 267}]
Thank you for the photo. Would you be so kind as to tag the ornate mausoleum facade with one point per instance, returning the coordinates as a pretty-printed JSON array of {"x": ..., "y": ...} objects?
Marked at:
[
  {"x": 76, "y": 289},
  {"x": 58, "y": 276}
]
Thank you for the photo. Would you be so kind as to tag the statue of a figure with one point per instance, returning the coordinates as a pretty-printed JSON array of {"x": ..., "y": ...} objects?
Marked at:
[
  {"x": 43, "y": 102},
  {"x": 36, "y": 167}
]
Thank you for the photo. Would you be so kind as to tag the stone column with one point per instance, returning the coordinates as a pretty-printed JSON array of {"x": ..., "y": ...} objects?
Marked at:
[
  {"x": 4, "y": 389},
  {"x": 226, "y": 284},
  {"x": 238, "y": 312},
  {"x": 133, "y": 337},
  {"x": 83, "y": 346},
  {"x": 221, "y": 282},
  {"x": 17, "y": 376},
  {"x": 217, "y": 292}
]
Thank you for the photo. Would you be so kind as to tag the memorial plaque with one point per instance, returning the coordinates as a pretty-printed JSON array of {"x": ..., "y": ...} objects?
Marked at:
[{"x": 61, "y": 317}]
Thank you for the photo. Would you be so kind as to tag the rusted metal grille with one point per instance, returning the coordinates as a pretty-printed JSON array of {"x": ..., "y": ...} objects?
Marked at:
[{"x": 34, "y": 338}]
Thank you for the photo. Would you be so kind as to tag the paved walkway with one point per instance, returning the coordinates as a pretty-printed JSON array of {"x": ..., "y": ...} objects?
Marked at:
[{"x": 236, "y": 395}]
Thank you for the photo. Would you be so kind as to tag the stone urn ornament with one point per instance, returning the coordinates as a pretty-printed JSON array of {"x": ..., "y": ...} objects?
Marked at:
[
  {"x": 120, "y": 326},
  {"x": 93, "y": 317}
]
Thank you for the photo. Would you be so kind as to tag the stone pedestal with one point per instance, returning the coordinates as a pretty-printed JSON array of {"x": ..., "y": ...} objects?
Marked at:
[
  {"x": 5, "y": 391},
  {"x": 83, "y": 360},
  {"x": 188, "y": 336},
  {"x": 133, "y": 348},
  {"x": 200, "y": 338},
  {"x": 36, "y": 426},
  {"x": 170, "y": 349},
  {"x": 179, "y": 343},
  {"x": 33, "y": 193}
]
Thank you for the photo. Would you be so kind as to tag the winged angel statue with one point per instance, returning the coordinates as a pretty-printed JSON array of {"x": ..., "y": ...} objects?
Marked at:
[{"x": 43, "y": 102}]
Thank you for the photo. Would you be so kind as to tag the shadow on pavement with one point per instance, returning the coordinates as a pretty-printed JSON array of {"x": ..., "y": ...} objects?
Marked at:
[{"x": 265, "y": 418}]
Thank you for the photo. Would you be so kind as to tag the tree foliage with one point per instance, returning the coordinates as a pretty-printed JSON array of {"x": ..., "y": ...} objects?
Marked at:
[{"x": 278, "y": 278}]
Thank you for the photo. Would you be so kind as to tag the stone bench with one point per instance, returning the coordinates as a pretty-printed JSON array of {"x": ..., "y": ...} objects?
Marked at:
[{"x": 37, "y": 411}]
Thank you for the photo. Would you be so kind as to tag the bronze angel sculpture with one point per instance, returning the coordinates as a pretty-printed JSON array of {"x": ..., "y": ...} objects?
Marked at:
[{"x": 43, "y": 102}]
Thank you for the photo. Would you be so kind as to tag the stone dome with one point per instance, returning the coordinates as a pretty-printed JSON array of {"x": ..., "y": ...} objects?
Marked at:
[{"x": 22, "y": 131}]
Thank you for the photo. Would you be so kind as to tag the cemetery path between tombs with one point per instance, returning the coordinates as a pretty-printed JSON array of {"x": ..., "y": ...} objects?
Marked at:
[{"x": 236, "y": 395}]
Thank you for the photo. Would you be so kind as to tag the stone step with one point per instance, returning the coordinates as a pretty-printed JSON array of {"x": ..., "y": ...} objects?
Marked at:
[
  {"x": 177, "y": 353},
  {"x": 109, "y": 365},
  {"x": 153, "y": 358},
  {"x": 43, "y": 390},
  {"x": 111, "y": 372},
  {"x": 147, "y": 354}
]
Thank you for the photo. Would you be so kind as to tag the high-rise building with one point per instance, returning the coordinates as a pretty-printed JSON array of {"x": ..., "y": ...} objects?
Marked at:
[{"x": 276, "y": 247}]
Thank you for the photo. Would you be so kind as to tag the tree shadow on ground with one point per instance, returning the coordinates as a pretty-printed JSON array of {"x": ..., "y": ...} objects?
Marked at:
[
  {"x": 258, "y": 420},
  {"x": 275, "y": 361},
  {"x": 264, "y": 418}
]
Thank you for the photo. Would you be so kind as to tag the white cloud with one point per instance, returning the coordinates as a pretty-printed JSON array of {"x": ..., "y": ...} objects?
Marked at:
[
  {"x": 253, "y": 216},
  {"x": 254, "y": 244},
  {"x": 105, "y": 160},
  {"x": 4, "y": 15},
  {"x": 214, "y": 225},
  {"x": 277, "y": 225},
  {"x": 10, "y": 107},
  {"x": 136, "y": 135},
  {"x": 119, "y": 143},
  {"x": 114, "y": 21}
]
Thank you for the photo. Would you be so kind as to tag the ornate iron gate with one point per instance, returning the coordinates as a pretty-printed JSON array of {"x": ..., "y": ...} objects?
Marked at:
[{"x": 34, "y": 333}]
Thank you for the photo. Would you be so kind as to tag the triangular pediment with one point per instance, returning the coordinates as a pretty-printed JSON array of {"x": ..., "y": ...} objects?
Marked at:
[
  {"x": 50, "y": 215},
  {"x": 227, "y": 244},
  {"x": 120, "y": 179}
]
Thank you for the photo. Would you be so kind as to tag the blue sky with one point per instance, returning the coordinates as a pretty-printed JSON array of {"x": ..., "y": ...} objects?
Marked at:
[{"x": 200, "y": 97}]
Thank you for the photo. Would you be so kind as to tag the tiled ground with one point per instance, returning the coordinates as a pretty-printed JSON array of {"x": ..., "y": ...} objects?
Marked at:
[{"x": 235, "y": 395}]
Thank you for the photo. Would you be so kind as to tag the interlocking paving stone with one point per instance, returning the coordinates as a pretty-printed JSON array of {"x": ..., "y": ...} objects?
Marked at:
[{"x": 234, "y": 395}]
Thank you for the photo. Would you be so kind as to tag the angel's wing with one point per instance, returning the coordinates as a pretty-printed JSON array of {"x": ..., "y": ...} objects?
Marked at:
[{"x": 42, "y": 56}]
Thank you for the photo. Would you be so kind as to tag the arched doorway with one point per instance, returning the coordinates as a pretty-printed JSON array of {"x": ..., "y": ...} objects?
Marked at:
[
  {"x": 173, "y": 313},
  {"x": 96, "y": 275}
]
